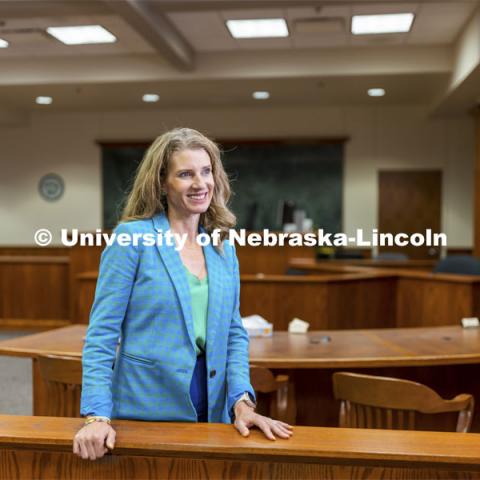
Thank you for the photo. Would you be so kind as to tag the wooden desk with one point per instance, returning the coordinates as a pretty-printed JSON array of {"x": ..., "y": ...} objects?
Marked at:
[
  {"x": 387, "y": 347},
  {"x": 338, "y": 300},
  {"x": 449, "y": 358},
  {"x": 41, "y": 447},
  {"x": 416, "y": 298},
  {"x": 337, "y": 295},
  {"x": 370, "y": 263}
]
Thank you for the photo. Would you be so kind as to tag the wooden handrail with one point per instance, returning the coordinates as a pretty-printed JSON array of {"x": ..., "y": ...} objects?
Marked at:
[
  {"x": 343, "y": 267},
  {"x": 210, "y": 440}
]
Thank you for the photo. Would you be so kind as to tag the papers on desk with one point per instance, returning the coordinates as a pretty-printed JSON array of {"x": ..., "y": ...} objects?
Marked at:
[
  {"x": 298, "y": 326},
  {"x": 257, "y": 326}
]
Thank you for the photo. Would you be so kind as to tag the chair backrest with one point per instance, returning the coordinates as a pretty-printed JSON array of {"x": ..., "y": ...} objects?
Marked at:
[
  {"x": 458, "y": 264},
  {"x": 62, "y": 377},
  {"x": 369, "y": 401},
  {"x": 279, "y": 395}
]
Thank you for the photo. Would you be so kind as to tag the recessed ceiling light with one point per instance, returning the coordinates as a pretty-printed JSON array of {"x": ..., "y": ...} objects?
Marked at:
[
  {"x": 376, "y": 92},
  {"x": 3, "y": 43},
  {"x": 83, "y": 34},
  {"x": 151, "y": 97},
  {"x": 261, "y": 95},
  {"x": 44, "y": 100},
  {"x": 376, "y": 24},
  {"x": 258, "y": 28}
]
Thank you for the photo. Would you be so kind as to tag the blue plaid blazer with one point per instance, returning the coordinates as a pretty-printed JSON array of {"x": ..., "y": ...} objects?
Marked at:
[{"x": 143, "y": 296}]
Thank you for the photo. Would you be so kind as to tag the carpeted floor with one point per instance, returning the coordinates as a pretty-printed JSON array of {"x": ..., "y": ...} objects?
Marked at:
[{"x": 15, "y": 382}]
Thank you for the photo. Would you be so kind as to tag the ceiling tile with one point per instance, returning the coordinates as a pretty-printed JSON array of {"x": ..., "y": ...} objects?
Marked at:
[
  {"x": 381, "y": 8},
  {"x": 440, "y": 23},
  {"x": 204, "y": 31}
]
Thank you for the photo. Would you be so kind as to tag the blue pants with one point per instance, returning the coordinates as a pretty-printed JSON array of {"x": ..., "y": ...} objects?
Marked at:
[{"x": 198, "y": 389}]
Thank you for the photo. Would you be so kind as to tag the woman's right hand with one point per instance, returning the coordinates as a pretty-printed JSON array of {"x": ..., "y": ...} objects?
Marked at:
[{"x": 92, "y": 441}]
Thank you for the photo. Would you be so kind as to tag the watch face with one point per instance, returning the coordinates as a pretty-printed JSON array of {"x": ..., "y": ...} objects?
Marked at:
[{"x": 51, "y": 187}]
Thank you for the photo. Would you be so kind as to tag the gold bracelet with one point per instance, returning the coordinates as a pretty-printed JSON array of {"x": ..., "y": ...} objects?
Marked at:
[{"x": 90, "y": 420}]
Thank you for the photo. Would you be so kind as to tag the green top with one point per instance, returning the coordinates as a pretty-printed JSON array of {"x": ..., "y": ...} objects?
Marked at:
[{"x": 199, "y": 294}]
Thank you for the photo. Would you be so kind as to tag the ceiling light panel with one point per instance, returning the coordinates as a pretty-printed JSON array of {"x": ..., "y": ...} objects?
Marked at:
[
  {"x": 381, "y": 24},
  {"x": 151, "y": 97},
  {"x": 376, "y": 92},
  {"x": 258, "y": 28},
  {"x": 82, "y": 34},
  {"x": 43, "y": 100},
  {"x": 261, "y": 95}
]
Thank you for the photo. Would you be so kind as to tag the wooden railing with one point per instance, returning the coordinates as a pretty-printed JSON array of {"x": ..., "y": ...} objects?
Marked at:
[{"x": 41, "y": 447}]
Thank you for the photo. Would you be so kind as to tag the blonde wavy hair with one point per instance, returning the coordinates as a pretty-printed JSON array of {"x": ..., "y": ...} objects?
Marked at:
[{"x": 146, "y": 198}]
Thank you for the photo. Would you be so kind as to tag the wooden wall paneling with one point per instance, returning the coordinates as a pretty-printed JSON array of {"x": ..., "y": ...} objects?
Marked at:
[
  {"x": 82, "y": 259},
  {"x": 34, "y": 291},
  {"x": 370, "y": 299},
  {"x": 363, "y": 303},
  {"x": 281, "y": 299},
  {"x": 84, "y": 291},
  {"x": 270, "y": 260},
  {"x": 322, "y": 302},
  {"x": 432, "y": 301},
  {"x": 335, "y": 301},
  {"x": 24, "y": 464},
  {"x": 409, "y": 201}
]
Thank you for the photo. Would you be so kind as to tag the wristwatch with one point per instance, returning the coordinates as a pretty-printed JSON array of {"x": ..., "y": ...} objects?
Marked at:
[{"x": 247, "y": 399}]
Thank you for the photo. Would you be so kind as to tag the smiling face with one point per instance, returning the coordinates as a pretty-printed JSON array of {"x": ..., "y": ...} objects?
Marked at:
[{"x": 189, "y": 183}]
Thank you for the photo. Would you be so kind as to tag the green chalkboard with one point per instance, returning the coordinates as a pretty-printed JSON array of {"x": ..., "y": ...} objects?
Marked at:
[
  {"x": 119, "y": 165},
  {"x": 263, "y": 176}
]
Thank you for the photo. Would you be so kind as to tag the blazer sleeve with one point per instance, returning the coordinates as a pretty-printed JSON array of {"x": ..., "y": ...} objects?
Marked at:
[
  {"x": 118, "y": 266},
  {"x": 238, "y": 365}
]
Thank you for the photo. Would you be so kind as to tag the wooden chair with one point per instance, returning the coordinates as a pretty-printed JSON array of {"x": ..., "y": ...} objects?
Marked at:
[
  {"x": 381, "y": 402},
  {"x": 62, "y": 377},
  {"x": 275, "y": 397}
]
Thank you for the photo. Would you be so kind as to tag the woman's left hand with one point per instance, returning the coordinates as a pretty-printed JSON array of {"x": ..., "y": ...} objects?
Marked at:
[{"x": 245, "y": 418}]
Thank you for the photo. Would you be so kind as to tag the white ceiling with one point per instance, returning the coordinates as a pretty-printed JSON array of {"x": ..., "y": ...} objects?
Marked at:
[
  {"x": 28, "y": 37},
  {"x": 320, "y": 63},
  {"x": 436, "y": 23},
  {"x": 413, "y": 88}
]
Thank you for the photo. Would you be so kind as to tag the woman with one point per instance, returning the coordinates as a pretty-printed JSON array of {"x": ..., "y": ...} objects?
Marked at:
[{"x": 183, "y": 354}]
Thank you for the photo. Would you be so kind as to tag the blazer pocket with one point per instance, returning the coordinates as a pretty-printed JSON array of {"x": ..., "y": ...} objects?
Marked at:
[{"x": 135, "y": 359}]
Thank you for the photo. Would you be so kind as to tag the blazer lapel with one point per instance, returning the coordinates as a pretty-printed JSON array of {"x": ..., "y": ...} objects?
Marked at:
[
  {"x": 173, "y": 264},
  {"x": 215, "y": 291}
]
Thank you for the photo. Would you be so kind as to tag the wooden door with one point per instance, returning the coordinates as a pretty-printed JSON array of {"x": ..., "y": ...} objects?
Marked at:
[{"x": 410, "y": 202}]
